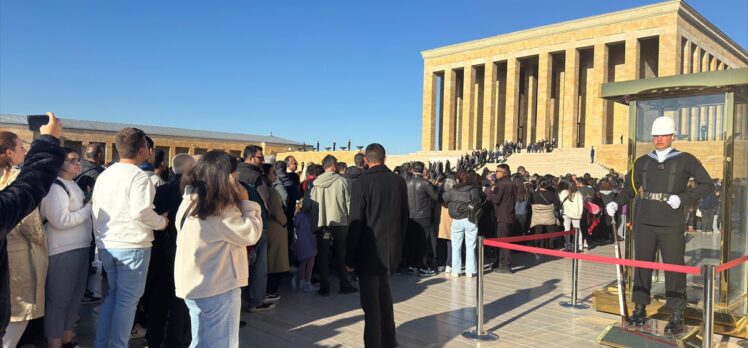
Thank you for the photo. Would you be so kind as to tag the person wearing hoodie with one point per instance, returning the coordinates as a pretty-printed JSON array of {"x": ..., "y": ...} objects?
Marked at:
[
  {"x": 353, "y": 172},
  {"x": 457, "y": 200},
  {"x": 329, "y": 200}
]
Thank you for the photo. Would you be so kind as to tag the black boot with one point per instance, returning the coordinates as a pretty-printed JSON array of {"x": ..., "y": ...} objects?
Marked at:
[
  {"x": 675, "y": 323},
  {"x": 640, "y": 315}
]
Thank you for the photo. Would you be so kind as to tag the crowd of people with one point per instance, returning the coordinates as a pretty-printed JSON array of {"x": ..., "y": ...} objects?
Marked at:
[{"x": 184, "y": 249}]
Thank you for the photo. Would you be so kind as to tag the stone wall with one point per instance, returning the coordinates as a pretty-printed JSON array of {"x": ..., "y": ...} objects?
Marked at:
[{"x": 710, "y": 153}]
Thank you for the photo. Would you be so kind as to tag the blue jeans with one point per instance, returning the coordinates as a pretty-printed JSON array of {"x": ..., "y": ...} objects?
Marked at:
[
  {"x": 215, "y": 320},
  {"x": 464, "y": 229},
  {"x": 126, "y": 271},
  {"x": 258, "y": 271}
]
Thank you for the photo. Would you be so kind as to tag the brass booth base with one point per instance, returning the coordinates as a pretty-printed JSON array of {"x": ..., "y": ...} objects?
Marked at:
[{"x": 725, "y": 323}]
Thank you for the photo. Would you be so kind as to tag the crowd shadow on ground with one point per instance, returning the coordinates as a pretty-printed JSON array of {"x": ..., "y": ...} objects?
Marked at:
[
  {"x": 441, "y": 327},
  {"x": 309, "y": 319}
]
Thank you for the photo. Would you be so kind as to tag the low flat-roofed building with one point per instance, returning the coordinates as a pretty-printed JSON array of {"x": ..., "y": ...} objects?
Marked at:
[{"x": 79, "y": 133}]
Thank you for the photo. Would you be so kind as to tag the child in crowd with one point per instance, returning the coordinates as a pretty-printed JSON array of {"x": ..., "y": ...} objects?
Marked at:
[{"x": 305, "y": 249}]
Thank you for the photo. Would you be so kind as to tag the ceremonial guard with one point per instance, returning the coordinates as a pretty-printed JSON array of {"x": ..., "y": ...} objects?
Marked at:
[{"x": 658, "y": 181}]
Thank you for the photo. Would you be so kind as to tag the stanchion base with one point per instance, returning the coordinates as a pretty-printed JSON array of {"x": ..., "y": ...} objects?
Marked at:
[
  {"x": 651, "y": 335},
  {"x": 484, "y": 336},
  {"x": 579, "y": 305}
]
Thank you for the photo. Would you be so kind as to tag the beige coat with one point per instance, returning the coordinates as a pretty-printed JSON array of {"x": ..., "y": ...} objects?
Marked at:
[
  {"x": 445, "y": 225},
  {"x": 27, "y": 262},
  {"x": 277, "y": 235}
]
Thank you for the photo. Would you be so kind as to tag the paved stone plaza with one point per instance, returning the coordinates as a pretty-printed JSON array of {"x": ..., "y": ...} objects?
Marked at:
[{"x": 521, "y": 308}]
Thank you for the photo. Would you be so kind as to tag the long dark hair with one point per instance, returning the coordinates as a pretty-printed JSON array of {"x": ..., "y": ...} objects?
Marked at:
[
  {"x": 209, "y": 179},
  {"x": 519, "y": 184},
  {"x": 7, "y": 142}
]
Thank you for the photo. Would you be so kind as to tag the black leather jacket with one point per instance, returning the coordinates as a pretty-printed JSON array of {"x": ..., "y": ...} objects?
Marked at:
[{"x": 421, "y": 197}]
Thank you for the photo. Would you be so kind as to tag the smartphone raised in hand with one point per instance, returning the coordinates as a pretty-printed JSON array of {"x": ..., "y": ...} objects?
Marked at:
[{"x": 36, "y": 121}]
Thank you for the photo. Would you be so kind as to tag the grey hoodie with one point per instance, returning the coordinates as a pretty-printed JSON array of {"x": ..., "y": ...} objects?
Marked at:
[{"x": 330, "y": 197}]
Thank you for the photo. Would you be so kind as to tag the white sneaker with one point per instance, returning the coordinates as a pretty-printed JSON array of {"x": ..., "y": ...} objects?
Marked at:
[
  {"x": 448, "y": 269},
  {"x": 455, "y": 275}
]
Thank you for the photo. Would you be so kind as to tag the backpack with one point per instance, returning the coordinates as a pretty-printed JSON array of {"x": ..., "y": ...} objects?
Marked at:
[{"x": 477, "y": 207}]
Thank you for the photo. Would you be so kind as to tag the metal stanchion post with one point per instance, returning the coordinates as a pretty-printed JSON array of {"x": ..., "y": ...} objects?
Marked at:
[
  {"x": 708, "y": 333},
  {"x": 574, "y": 277},
  {"x": 478, "y": 334}
]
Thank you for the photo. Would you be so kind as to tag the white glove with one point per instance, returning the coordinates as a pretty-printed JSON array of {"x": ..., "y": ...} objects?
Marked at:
[
  {"x": 611, "y": 208},
  {"x": 674, "y": 201}
]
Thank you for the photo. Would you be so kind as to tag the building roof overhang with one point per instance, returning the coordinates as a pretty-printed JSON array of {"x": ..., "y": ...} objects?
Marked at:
[{"x": 699, "y": 83}]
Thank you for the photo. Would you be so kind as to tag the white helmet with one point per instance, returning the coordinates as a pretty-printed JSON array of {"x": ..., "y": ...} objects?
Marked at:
[{"x": 663, "y": 125}]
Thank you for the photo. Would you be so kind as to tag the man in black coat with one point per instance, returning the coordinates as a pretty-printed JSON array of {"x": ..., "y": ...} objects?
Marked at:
[
  {"x": 39, "y": 171},
  {"x": 421, "y": 199},
  {"x": 503, "y": 197},
  {"x": 378, "y": 218},
  {"x": 166, "y": 312}
]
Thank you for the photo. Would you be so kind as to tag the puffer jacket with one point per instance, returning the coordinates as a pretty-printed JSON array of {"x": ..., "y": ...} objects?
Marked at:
[
  {"x": 421, "y": 195},
  {"x": 458, "y": 198}
]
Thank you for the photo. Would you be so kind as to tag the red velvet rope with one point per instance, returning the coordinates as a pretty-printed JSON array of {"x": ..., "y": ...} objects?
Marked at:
[
  {"x": 499, "y": 243},
  {"x": 727, "y": 265},
  {"x": 533, "y": 237}
]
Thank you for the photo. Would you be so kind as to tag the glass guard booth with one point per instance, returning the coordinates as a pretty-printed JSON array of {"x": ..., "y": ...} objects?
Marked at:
[{"x": 711, "y": 115}]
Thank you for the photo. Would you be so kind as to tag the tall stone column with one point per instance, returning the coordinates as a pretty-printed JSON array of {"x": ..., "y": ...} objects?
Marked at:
[
  {"x": 545, "y": 70},
  {"x": 687, "y": 67},
  {"x": 630, "y": 72},
  {"x": 490, "y": 89},
  {"x": 428, "y": 128},
  {"x": 532, "y": 99},
  {"x": 596, "y": 122},
  {"x": 467, "y": 124},
  {"x": 568, "y": 127},
  {"x": 669, "y": 58},
  {"x": 448, "y": 113},
  {"x": 512, "y": 99},
  {"x": 696, "y": 60}
]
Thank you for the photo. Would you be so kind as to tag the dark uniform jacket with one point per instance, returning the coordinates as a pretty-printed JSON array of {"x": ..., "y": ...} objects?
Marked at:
[
  {"x": 669, "y": 178},
  {"x": 421, "y": 196},
  {"x": 377, "y": 221},
  {"x": 39, "y": 170},
  {"x": 503, "y": 198}
]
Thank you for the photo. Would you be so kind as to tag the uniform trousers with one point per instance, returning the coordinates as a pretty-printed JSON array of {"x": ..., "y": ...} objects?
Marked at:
[{"x": 672, "y": 245}]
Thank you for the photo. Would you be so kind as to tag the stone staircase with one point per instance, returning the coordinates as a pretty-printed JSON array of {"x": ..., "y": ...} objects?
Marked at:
[{"x": 558, "y": 162}]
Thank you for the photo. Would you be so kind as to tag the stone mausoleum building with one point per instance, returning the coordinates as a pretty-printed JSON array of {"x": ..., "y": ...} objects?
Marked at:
[
  {"x": 544, "y": 82},
  {"x": 78, "y": 134}
]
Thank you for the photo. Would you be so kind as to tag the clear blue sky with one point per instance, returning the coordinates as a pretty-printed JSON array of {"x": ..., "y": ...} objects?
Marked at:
[{"x": 305, "y": 70}]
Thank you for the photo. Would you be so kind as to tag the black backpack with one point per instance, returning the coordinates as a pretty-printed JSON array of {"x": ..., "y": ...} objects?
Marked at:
[{"x": 477, "y": 206}]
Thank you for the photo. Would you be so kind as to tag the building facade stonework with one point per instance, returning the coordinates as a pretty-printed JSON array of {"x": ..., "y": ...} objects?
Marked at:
[{"x": 544, "y": 83}]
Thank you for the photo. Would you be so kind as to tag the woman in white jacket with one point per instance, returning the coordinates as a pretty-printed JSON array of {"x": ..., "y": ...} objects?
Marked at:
[
  {"x": 215, "y": 223},
  {"x": 572, "y": 207},
  {"x": 68, "y": 228}
]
